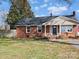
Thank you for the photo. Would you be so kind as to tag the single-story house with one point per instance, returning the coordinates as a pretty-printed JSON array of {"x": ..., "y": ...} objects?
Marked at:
[{"x": 47, "y": 26}]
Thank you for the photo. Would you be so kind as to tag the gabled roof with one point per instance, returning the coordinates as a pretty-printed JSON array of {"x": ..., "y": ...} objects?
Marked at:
[
  {"x": 61, "y": 20},
  {"x": 41, "y": 20},
  {"x": 69, "y": 19}
]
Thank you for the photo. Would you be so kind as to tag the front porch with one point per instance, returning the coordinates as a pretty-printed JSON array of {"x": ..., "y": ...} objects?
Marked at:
[{"x": 59, "y": 31}]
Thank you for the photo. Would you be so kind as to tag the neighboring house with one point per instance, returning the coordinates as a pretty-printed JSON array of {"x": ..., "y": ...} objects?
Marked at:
[{"x": 47, "y": 26}]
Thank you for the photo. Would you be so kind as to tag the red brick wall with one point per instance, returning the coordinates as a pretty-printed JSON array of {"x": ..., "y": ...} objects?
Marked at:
[
  {"x": 21, "y": 32},
  {"x": 70, "y": 34}
]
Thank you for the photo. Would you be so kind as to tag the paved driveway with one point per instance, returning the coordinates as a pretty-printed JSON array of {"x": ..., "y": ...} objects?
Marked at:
[{"x": 74, "y": 42}]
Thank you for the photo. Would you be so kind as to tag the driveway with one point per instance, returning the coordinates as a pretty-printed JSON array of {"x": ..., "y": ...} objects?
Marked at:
[{"x": 72, "y": 42}]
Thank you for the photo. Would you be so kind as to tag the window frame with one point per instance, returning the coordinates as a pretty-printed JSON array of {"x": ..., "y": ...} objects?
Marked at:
[
  {"x": 38, "y": 29},
  {"x": 27, "y": 29},
  {"x": 65, "y": 28}
]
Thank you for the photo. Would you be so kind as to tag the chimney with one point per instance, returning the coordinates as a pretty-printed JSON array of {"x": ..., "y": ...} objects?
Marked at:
[{"x": 74, "y": 13}]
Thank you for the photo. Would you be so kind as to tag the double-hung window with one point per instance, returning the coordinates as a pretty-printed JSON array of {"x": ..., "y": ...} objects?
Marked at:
[
  {"x": 28, "y": 29},
  {"x": 39, "y": 28}
]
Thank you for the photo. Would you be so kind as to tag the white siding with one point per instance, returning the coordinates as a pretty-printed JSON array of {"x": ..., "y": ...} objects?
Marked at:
[{"x": 60, "y": 21}]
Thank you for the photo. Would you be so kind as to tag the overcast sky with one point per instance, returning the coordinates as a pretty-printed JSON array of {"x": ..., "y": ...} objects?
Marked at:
[{"x": 45, "y": 7}]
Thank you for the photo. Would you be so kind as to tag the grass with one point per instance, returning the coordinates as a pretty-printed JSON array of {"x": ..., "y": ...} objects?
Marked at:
[{"x": 18, "y": 49}]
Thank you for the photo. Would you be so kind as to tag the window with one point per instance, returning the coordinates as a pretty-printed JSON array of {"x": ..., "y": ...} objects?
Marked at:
[
  {"x": 28, "y": 29},
  {"x": 66, "y": 28},
  {"x": 39, "y": 28}
]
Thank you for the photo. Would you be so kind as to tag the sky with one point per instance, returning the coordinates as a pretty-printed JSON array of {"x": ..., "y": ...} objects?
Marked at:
[
  {"x": 4, "y": 8},
  {"x": 44, "y": 8}
]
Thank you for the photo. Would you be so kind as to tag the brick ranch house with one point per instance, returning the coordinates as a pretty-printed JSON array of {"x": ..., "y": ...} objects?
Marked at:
[{"x": 47, "y": 26}]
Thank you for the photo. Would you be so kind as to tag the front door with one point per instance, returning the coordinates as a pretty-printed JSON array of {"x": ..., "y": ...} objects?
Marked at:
[{"x": 54, "y": 30}]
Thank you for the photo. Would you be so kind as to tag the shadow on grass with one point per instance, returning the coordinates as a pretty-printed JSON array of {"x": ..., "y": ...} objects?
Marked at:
[{"x": 65, "y": 43}]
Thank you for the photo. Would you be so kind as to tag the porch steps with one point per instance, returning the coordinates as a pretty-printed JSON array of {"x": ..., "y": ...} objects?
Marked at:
[{"x": 53, "y": 37}]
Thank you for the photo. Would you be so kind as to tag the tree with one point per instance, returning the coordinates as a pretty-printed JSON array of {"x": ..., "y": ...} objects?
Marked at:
[
  {"x": 18, "y": 10},
  {"x": 24, "y": 7},
  {"x": 14, "y": 15}
]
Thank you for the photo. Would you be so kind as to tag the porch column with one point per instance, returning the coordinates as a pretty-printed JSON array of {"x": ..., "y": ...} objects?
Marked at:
[
  {"x": 51, "y": 29},
  {"x": 60, "y": 30},
  {"x": 45, "y": 30}
]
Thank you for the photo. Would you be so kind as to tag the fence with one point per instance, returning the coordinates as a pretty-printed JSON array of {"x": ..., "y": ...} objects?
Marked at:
[{"x": 10, "y": 33}]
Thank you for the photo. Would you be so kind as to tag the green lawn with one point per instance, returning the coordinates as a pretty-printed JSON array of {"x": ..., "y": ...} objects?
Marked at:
[{"x": 17, "y": 49}]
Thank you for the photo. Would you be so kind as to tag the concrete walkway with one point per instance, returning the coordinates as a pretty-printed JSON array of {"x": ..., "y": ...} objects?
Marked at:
[{"x": 73, "y": 42}]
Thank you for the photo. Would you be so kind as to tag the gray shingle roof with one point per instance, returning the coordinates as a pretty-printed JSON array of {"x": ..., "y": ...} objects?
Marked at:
[{"x": 35, "y": 21}]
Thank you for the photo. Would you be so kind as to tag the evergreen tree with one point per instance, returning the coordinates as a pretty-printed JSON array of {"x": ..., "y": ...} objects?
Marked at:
[
  {"x": 18, "y": 10},
  {"x": 24, "y": 7},
  {"x": 14, "y": 15}
]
